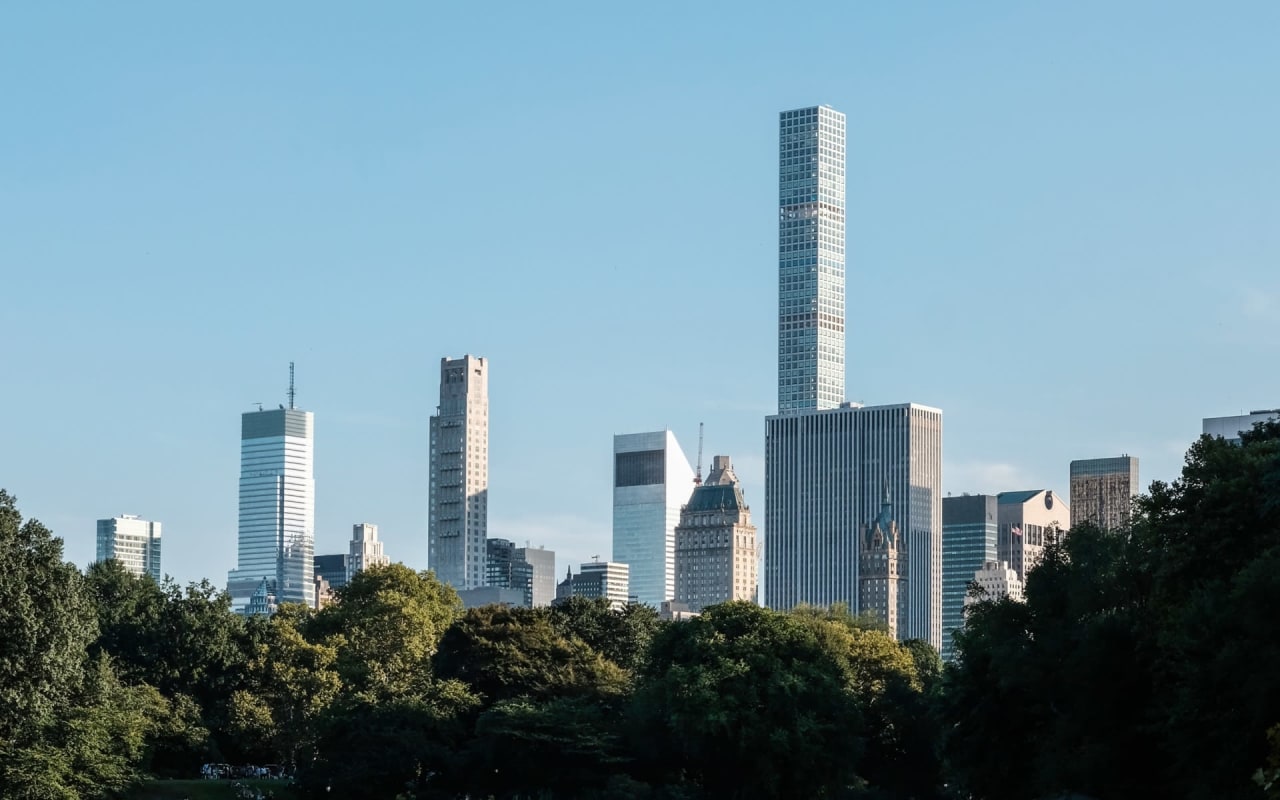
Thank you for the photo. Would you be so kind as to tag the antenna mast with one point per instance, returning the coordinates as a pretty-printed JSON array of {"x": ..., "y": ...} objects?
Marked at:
[
  {"x": 291, "y": 392},
  {"x": 697, "y": 479}
]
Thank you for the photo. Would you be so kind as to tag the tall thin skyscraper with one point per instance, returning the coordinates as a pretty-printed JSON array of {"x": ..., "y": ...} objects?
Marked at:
[
  {"x": 651, "y": 481},
  {"x": 277, "y": 507},
  {"x": 133, "y": 541},
  {"x": 457, "y": 524},
  {"x": 811, "y": 336}
]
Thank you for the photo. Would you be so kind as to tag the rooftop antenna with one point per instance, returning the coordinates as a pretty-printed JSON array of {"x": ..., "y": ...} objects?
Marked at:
[
  {"x": 291, "y": 392},
  {"x": 697, "y": 479}
]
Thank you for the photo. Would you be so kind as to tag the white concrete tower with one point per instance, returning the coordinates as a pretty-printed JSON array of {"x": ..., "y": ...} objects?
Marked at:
[{"x": 459, "y": 499}]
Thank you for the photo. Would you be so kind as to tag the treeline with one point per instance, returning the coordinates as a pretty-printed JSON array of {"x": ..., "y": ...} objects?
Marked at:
[{"x": 1143, "y": 663}]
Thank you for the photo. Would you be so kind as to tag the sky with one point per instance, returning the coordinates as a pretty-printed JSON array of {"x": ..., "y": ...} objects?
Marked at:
[{"x": 1062, "y": 231}]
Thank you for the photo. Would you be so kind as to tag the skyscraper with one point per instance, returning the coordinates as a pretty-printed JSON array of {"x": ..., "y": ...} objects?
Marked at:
[
  {"x": 504, "y": 569},
  {"x": 1102, "y": 491},
  {"x": 716, "y": 542},
  {"x": 651, "y": 480},
  {"x": 459, "y": 499},
  {"x": 1029, "y": 522},
  {"x": 811, "y": 337},
  {"x": 277, "y": 507},
  {"x": 133, "y": 541},
  {"x": 542, "y": 566},
  {"x": 825, "y": 474},
  {"x": 969, "y": 528},
  {"x": 365, "y": 550}
]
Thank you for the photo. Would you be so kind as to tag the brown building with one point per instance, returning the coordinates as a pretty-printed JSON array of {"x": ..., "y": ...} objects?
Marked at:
[
  {"x": 882, "y": 571},
  {"x": 716, "y": 543}
]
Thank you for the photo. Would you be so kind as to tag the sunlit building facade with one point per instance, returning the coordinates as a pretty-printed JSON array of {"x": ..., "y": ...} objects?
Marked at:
[
  {"x": 276, "y": 543},
  {"x": 652, "y": 479},
  {"x": 132, "y": 541},
  {"x": 457, "y": 522}
]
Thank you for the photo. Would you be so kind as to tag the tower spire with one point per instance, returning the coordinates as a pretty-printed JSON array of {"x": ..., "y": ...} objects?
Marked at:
[{"x": 291, "y": 392}]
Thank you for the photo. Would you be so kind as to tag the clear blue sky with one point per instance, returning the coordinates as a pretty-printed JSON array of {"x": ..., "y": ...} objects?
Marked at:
[{"x": 1063, "y": 231}]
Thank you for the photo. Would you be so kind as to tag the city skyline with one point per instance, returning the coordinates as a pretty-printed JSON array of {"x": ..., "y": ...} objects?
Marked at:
[{"x": 151, "y": 253}]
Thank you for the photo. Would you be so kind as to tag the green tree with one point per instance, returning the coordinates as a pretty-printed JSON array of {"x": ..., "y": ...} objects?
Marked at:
[
  {"x": 390, "y": 620},
  {"x": 748, "y": 703},
  {"x": 622, "y": 635}
]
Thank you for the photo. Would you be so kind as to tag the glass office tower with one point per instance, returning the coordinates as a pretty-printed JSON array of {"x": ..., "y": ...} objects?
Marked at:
[
  {"x": 969, "y": 527},
  {"x": 277, "y": 508},
  {"x": 810, "y": 259}
]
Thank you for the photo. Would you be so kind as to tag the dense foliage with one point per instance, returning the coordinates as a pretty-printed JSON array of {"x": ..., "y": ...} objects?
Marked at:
[{"x": 1143, "y": 663}]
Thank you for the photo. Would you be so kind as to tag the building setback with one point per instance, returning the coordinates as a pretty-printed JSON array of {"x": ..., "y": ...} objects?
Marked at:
[
  {"x": 365, "y": 550},
  {"x": 969, "y": 532},
  {"x": 133, "y": 542},
  {"x": 715, "y": 543},
  {"x": 276, "y": 542},
  {"x": 457, "y": 521},
  {"x": 651, "y": 481},
  {"x": 1029, "y": 522},
  {"x": 825, "y": 473},
  {"x": 1102, "y": 491}
]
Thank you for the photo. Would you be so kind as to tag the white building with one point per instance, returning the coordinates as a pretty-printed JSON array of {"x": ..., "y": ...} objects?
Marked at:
[
  {"x": 811, "y": 318},
  {"x": 825, "y": 475},
  {"x": 457, "y": 524},
  {"x": 1230, "y": 428},
  {"x": 1028, "y": 522},
  {"x": 652, "y": 479},
  {"x": 277, "y": 509},
  {"x": 133, "y": 541},
  {"x": 598, "y": 579},
  {"x": 997, "y": 579},
  {"x": 365, "y": 550}
]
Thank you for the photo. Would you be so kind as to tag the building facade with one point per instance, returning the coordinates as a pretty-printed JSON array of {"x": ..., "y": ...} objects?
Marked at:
[
  {"x": 276, "y": 540},
  {"x": 716, "y": 543},
  {"x": 132, "y": 541},
  {"x": 1029, "y": 522},
  {"x": 970, "y": 527},
  {"x": 598, "y": 579},
  {"x": 825, "y": 473},
  {"x": 505, "y": 569},
  {"x": 365, "y": 550},
  {"x": 542, "y": 571},
  {"x": 457, "y": 522},
  {"x": 882, "y": 575},
  {"x": 651, "y": 481},
  {"x": 492, "y": 596},
  {"x": 1230, "y": 428},
  {"x": 333, "y": 568},
  {"x": 811, "y": 259},
  {"x": 1102, "y": 491},
  {"x": 996, "y": 579}
]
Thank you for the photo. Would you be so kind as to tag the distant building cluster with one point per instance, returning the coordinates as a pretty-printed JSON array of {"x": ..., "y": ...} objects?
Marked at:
[{"x": 854, "y": 510}]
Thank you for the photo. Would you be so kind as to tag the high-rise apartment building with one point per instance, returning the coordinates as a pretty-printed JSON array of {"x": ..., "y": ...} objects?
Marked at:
[
  {"x": 598, "y": 579},
  {"x": 1028, "y": 522},
  {"x": 811, "y": 280},
  {"x": 277, "y": 509},
  {"x": 133, "y": 541},
  {"x": 542, "y": 572},
  {"x": 970, "y": 524},
  {"x": 1102, "y": 491},
  {"x": 504, "y": 569},
  {"x": 882, "y": 569},
  {"x": 365, "y": 550},
  {"x": 715, "y": 543},
  {"x": 651, "y": 481},
  {"x": 825, "y": 473},
  {"x": 1230, "y": 428},
  {"x": 459, "y": 499}
]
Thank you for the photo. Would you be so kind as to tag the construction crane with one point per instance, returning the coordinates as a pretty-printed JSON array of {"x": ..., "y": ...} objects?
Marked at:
[{"x": 697, "y": 478}]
